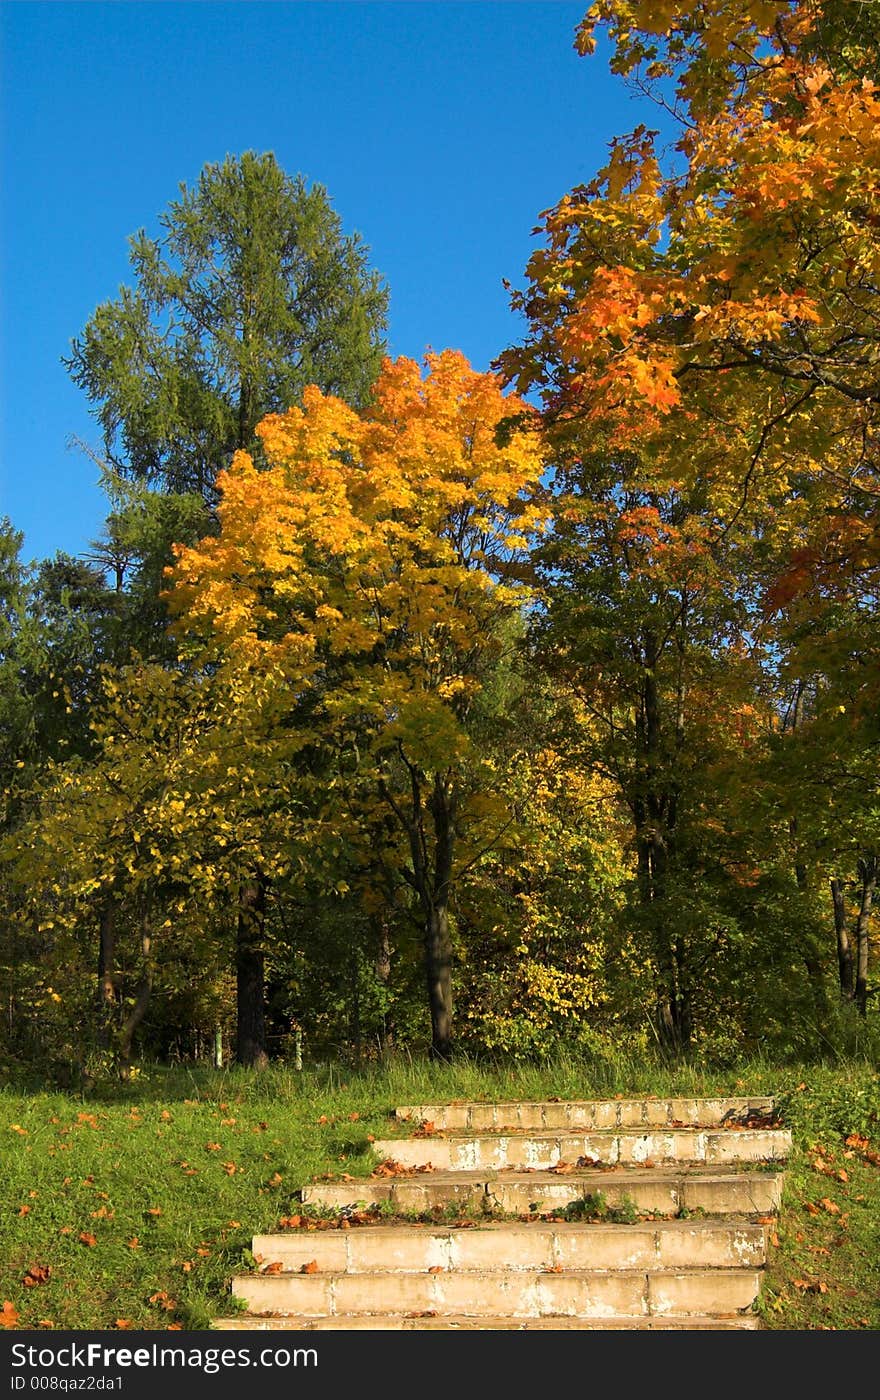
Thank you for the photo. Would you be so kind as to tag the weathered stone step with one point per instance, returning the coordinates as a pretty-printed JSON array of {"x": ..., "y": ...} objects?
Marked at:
[
  {"x": 588, "y": 1113},
  {"x": 500, "y": 1292},
  {"x": 668, "y": 1244},
  {"x": 671, "y": 1322},
  {"x": 662, "y": 1191},
  {"x": 465, "y": 1151}
]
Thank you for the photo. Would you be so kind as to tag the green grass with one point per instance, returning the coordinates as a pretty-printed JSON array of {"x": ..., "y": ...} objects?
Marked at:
[{"x": 192, "y": 1163}]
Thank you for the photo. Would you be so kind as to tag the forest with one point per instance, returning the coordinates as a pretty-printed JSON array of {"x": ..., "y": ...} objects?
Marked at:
[{"x": 410, "y": 708}]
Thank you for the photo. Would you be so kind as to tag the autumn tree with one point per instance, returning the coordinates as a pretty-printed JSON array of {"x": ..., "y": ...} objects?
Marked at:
[
  {"x": 705, "y": 327},
  {"x": 250, "y": 292},
  {"x": 147, "y": 840},
  {"x": 375, "y": 562}
]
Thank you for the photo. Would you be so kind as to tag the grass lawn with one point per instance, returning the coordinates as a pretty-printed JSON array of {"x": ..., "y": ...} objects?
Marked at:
[{"x": 133, "y": 1205}]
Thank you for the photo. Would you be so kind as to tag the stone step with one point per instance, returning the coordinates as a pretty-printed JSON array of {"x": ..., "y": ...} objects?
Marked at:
[
  {"x": 466, "y": 1151},
  {"x": 588, "y": 1113},
  {"x": 670, "y": 1322},
  {"x": 662, "y": 1191},
  {"x": 668, "y": 1244},
  {"x": 500, "y": 1292}
]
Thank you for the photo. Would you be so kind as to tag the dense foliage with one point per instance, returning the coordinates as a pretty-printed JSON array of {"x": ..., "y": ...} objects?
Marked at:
[{"x": 510, "y": 709}]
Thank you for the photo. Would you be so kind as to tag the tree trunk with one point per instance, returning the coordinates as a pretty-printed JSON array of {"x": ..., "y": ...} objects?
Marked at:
[
  {"x": 845, "y": 967},
  {"x": 354, "y": 1020},
  {"x": 107, "y": 972},
  {"x": 250, "y": 1038},
  {"x": 868, "y": 877},
  {"x": 431, "y": 879},
  {"x": 142, "y": 997},
  {"x": 384, "y": 952},
  {"x": 437, "y": 942},
  {"x": 810, "y": 958},
  {"x": 438, "y": 973}
]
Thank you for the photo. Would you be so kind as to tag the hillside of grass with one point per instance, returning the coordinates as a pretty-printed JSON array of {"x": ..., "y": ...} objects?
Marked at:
[{"x": 132, "y": 1205}]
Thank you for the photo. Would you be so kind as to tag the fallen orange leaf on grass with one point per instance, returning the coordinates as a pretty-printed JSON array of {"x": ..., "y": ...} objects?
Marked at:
[
  {"x": 8, "y": 1315},
  {"x": 87, "y": 1239}
]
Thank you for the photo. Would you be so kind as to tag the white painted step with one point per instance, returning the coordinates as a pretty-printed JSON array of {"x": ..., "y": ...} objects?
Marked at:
[
  {"x": 540, "y": 1150},
  {"x": 588, "y": 1113},
  {"x": 672, "y": 1244}
]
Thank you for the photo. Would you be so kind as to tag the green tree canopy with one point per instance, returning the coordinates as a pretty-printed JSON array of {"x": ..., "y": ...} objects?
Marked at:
[{"x": 251, "y": 292}]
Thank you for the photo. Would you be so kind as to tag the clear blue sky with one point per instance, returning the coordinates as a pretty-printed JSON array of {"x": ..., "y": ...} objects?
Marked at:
[{"x": 440, "y": 130}]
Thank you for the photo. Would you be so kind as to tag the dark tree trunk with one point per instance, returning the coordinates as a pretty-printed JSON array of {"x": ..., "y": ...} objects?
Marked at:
[
  {"x": 845, "y": 966},
  {"x": 384, "y": 952},
  {"x": 250, "y": 1038},
  {"x": 431, "y": 879},
  {"x": 655, "y": 812},
  {"x": 809, "y": 956},
  {"x": 437, "y": 942},
  {"x": 355, "y": 1035},
  {"x": 438, "y": 973},
  {"x": 141, "y": 999},
  {"x": 107, "y": 972},
  {"x": 868, "y": 877}
]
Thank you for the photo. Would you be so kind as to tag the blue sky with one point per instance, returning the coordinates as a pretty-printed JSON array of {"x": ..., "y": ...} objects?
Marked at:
[{"x": 440, "y": 130}]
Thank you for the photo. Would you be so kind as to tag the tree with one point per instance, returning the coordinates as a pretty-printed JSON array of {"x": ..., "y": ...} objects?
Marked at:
[
  {"x": 251, "y": 292},
  {"x": 374, "y": 566},
  {"x": 703, "y": 331}
]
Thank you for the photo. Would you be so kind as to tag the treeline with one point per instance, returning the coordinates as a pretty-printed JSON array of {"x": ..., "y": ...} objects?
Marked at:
[{"x": 406, "y": 706}]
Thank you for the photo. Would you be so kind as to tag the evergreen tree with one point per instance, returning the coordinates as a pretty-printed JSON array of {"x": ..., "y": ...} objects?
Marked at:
[{"x": 251, "y": 292}]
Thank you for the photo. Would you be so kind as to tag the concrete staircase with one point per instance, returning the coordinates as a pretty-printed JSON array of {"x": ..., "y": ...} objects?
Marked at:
[{"x": 621, "y": 1213}]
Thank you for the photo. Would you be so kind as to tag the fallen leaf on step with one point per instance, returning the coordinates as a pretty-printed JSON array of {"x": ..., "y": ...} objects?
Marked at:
[{"x": 310, "y": 1268}]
